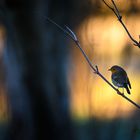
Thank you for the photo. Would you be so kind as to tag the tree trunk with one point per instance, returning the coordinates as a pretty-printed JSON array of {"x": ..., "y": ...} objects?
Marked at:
[{"x": 36, "y": 58}]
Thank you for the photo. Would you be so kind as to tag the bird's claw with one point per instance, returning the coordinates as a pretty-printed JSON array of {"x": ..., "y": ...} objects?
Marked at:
[{"x": 120, "y": 93}]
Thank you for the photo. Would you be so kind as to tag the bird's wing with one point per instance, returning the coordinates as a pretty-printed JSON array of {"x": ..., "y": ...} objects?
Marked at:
[
  {"x": 119, "y": 78},
  {"x": 116, "y": 78},
  {"x": 129, "y": 83}
]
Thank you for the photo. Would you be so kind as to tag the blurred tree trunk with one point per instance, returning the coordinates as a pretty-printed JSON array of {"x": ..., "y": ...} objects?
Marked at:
[{"x": 36, "y": 66}]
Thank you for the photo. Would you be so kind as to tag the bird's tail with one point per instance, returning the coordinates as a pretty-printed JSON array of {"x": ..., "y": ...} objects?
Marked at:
[{"x": 127, "y": 89}]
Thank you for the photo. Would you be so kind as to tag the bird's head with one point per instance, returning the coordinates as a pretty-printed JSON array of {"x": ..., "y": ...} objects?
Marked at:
[{"x": 115, "y": 69}]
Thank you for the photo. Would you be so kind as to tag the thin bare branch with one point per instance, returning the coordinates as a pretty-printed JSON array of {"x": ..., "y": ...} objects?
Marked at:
[
  {"x": 108, "y": 5},
  {"x": 118, "y": 15},
  {"x": 72, "y": 33},
  {"x": 116, "y": 9},
  {"x": 110, "y": 8},
  {"x": 65, "y": 31},
  {"x": 95, "y": 68}
]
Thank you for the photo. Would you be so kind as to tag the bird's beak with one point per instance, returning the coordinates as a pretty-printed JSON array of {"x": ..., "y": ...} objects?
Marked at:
[{"x": 109, "y": 69}]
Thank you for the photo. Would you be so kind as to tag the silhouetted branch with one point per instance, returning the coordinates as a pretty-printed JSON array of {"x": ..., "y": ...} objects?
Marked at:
[
  {"x": 117, "y": 13},
  {"x": 95, "y": 68}
]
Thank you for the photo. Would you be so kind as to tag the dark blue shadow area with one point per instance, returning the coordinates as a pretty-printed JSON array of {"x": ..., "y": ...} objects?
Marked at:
[{"x": 115, "y": 129}]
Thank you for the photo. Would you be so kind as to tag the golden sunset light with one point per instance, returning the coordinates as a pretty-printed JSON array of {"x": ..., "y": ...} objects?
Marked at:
[{"x": 104, "y": 40}]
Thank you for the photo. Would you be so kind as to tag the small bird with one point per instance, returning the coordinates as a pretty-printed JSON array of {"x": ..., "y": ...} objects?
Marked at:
[{"x": 119, "y": 78}]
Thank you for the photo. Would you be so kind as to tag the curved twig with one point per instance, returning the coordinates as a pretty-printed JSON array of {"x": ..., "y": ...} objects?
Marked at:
[
  {"x": 117, "y": 13},
  {"x": 95, "y": 68}
]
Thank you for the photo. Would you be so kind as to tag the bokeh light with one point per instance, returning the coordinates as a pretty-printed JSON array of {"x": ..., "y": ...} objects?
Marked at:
[{"x": 106, "y": 43}]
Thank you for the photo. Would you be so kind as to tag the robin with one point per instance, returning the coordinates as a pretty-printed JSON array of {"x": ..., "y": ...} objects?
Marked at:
[{"x": 119, "y": 78}]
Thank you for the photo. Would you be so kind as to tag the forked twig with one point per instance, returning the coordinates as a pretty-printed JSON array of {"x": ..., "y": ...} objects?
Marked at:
[
  {"x": 95, "y": 68},
  {"x": 117, "y": 13}
]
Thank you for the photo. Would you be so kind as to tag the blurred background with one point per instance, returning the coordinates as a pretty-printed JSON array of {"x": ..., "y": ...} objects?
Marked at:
[{"x": 48, "y": 91}]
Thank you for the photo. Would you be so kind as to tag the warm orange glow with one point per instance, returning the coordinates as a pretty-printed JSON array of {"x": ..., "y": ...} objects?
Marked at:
[
  {"x": 2, "y": 38},
  {"x": 106, "y": 43},
  {"x": 4, "y": 108},
  {"x": 123, "y": 5}
]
